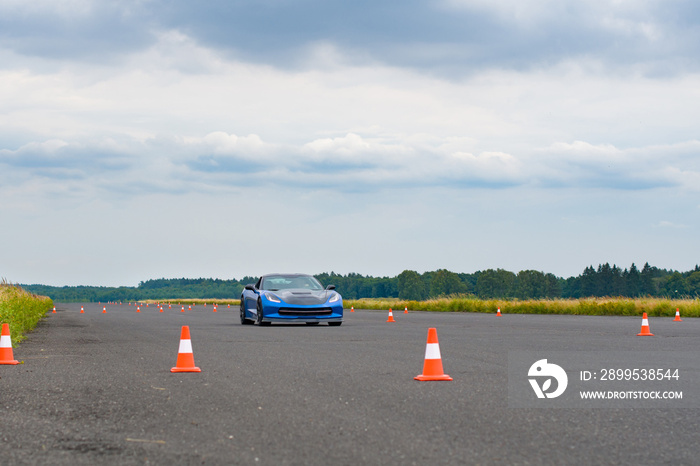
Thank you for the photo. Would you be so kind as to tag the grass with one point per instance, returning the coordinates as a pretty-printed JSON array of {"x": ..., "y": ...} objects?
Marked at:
[
  {"x": 196, "y": 301},
  {"x": 21, "y": 309},
  {"x": 654, "y": 307}
]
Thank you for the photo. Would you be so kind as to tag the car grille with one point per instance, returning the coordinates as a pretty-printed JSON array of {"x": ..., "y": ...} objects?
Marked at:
[
  {"x": 305, "y": 299},
  {"x": 290, "y": 311}
]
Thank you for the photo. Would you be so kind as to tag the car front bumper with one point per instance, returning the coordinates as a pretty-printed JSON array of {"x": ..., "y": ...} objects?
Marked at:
[{"x": 283, "y": 312}]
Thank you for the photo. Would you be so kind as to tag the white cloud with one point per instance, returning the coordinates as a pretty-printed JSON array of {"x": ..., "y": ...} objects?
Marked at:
[
  {"x": 250, "y": 146},
  {"x": 225, "y": 160},
  {"x": 667, "y": 224},
  {"x": 178, "y": 131}
]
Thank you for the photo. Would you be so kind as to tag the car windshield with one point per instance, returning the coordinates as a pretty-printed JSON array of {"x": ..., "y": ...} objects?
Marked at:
[{"x": 286, "y": 282}]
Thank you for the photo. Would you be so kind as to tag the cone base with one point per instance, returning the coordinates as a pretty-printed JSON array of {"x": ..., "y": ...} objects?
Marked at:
[
  {"x": 677, "y": 320},
  {"x": 423, "y": 378},
  {"x": 391, "y": 320},
  {"x": 645, "y": 334},
  {"x": 185, "y": 369}
]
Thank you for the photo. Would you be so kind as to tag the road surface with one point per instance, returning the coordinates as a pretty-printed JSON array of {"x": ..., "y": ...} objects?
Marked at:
[{"x": 97, "y": 389}]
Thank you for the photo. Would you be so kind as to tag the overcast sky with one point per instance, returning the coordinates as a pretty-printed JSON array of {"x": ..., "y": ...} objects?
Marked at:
[{"x": 144, "y": 139}]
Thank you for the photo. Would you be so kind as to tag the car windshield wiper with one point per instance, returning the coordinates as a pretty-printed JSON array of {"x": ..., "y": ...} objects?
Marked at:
[{"x": 273, "y": 289}]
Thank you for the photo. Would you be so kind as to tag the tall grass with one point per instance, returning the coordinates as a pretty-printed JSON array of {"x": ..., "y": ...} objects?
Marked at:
[
  {"x": 593, "y": 306},
  {"x": 20, "y": 309},
  {"x": 195, "y": 301},
  {"x": 656, "y": 307}
]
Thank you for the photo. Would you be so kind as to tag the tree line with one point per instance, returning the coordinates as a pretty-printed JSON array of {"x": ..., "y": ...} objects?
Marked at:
[{"x": 605, "y": 280}]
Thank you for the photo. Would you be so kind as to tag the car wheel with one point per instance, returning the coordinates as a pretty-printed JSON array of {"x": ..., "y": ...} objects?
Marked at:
[
  {"x": 244, "y": 320},
  {"x": 334, "y": 324},
  {"x": 260, "y": 315}
]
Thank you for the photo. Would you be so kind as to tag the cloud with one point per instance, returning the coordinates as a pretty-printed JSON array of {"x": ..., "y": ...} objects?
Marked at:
[
  {"x": 179, "y": 103},
  {"x": 332, "y": 162},
  {"x": 584, "y": 164},
  {"x": 452, "y": 38},
  {"x": 352, "y": 162},
  {"x": 667, "y": 224},
  {"x": 75, "y": 29},
  {"x": 58, "y": 158}
]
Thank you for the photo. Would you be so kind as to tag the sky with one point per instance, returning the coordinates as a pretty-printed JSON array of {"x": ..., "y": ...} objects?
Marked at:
[{"x": 144, "y": 139}]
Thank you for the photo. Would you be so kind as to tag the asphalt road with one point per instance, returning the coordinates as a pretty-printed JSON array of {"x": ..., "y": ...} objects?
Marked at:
[{"x": 97, "y": 389}]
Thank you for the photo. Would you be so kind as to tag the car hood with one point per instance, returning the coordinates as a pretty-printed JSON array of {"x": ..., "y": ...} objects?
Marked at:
[{"x": 303, "y": 297}]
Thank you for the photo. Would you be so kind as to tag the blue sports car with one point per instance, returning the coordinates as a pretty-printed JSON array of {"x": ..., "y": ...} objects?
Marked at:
[{"x": 290, "y": 298}]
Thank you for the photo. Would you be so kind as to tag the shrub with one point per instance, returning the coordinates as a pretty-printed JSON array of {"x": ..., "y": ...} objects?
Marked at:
[{"x": 20, "y": 309}]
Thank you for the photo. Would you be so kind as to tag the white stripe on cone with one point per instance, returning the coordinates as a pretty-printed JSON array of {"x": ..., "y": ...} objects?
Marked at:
[
  {"x": 5, "y": 341},
  {"x": 645, "y": 322},
  {"x": 185, "y": 346},
  {"x": 432, "y": 351}
]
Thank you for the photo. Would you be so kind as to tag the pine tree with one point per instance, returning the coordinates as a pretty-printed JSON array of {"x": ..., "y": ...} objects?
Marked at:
[
  {"x": 646, "y": 281},
  {"x": 633, "y": 282}
]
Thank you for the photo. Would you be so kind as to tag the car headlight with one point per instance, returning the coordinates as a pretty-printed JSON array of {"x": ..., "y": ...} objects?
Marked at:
[
  {"x": 273, "y": 298},
  {"x": 335, "y": 298}
]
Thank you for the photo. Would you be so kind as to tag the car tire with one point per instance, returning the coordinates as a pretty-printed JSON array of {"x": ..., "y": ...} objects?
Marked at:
[
  {"x": 334, "y": 324},
  {"x": 260, "y": 314},
  {"x": 244, "y": 320}
]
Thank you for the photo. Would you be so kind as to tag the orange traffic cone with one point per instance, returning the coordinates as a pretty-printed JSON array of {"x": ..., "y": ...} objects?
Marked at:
[
  {"x": 214, "y": 307},
  {"x": 138, "y": 308},
  {"x": 161, "y": 309},
  {"x": 391, "y": 316},
  {"x": 405, "y": 310},
  {"x": 432, "y": 367},
  {"x": 185, "y": 357},
  {"x": 645, "y": 327},
  {"x": 229, "y": 306},
  {"x": 82, "y": 311},
  {"x": 6, "y": 346},
  {"x": 104, "y": 309},
  {"x": 189, "y": 308},
  {"x": 170, "y": 306},
  {"x": 352, "y": 308},
  {"x": 498, "y": 313},
  {"x": 54, "y": 310},
  {"x": 677, "y": 319}
]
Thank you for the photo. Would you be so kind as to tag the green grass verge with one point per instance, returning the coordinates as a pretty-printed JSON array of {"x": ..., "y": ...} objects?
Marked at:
[
  {"x": 195, "y": 301},
  {"x": 22, "y": 310},
  {"x": 654, "y": 307},
  {"x": 594, "y": 306}
]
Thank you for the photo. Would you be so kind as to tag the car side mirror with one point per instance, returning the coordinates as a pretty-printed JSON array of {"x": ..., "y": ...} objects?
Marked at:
[
  {"x": 250, "y": 287},
  {"x": 330, "y": 287}
]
